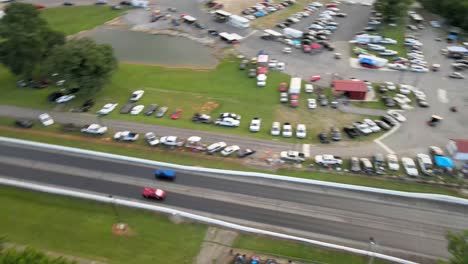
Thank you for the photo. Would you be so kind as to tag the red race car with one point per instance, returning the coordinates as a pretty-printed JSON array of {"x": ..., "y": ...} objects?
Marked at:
[
  {"x": 153, "y": 193},
  {"x": 176, "y": 114}
]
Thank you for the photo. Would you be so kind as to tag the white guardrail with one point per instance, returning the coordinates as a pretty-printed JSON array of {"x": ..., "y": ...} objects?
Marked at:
[
  {"x": 427, "y": 196},
  {"x": 128, "y": 203}
]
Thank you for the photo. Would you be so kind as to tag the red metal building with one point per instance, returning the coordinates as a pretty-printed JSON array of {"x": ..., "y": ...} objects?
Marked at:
[{"x": 354, "y": 90}]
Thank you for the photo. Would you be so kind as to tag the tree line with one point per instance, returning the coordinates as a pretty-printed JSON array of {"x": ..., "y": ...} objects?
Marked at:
[
  {"x": 30, "y": 49},
  {"x": 454, "y": 11}
]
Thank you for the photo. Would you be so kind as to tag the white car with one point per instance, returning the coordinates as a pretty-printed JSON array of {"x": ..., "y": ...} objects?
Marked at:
[
  {"x": 402, "y": 97},
  {"x": 388, "y": 53},
  {"x": 397, "y": 66},
  {"x": 390, "y": 86},
  {"x": 275, "y": 129},
  {"x": 420, "y": 95},
  {"x": 284, "y": 97},
  {"x": 287, "y": 50},
  {"x": 255, "y": 124},
  {"x": 291, "y": 155},
  {"x": 228, "y": 121},
  {"x": 405, "y": 89},
  {"x": 137, "y": 109},
  {"x": 151, "y": 139},
  {"x": 309, "y": 88},
  {"x": 376, "y": 47},
  {"x": 409, "y": 166},
  {"x": 280, "y": 66},
  {"x": 46, "y": 120},
  {"x": 316, "y": 4},
  {"x": 229, "y": 150},
  {"x": 126, "y": 136},
  {"x": 136, "y": 95},
  {"x": 363, "y": 128},
  {"x": 215, "y": 147},
  {"x": 425, "y": 163},
  {"x": 315, "y": 26},
  {"x": 301, "y": 131},
  {"x": 397, "y": 116},
  {"x": 169, "y": 141},
  {"x": 327, "y": 159},
  {"x": 418, "y": 68},
  {"x": 372, "y": 125},
  {"x": 106, "y": 109},
  {"x": 287, "y": 130},
  {"x": 65, "y": 98},
  {"x": 388, "y": 41},
  {"x": 392, "y": 162},
  {"x": 311, "y": 103},
  {"x": 94, "y": 129}
]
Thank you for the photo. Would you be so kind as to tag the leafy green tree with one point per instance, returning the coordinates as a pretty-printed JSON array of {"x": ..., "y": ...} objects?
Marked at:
[
  {"x": 83, "y": 63},
  {"x": 392, "y": 8},
  {"x": 26, "y": 39},
  {"x": 458, "y": 247}
]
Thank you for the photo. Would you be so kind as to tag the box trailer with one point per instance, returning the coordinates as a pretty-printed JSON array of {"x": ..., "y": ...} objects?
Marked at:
[
  {"x": 238, "y": 21},
  {"x": 295, "y": 85},
  {"x": 292, "y": 33}
]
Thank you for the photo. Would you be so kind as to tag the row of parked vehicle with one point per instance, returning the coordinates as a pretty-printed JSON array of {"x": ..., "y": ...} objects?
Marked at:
[
  {"x": 401, "y": 99},
  {"x": 368, "y": 126},
  {"x": 265, "y": 8}
]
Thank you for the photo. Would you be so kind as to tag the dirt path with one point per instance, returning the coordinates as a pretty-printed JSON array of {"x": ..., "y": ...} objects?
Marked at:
[{"x": 216, "y": 247}]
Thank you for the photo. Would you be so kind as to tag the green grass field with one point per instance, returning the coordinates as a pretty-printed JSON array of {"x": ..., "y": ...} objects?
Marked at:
[
  {"x": 73, "y": 19},
  {"x": 139, "y": 149},
  {"x": 83, "y": 228},
  {"x": 297, "y": 251}
]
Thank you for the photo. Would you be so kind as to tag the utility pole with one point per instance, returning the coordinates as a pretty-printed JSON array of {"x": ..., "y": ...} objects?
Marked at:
[{"x": 114, "y": 209}]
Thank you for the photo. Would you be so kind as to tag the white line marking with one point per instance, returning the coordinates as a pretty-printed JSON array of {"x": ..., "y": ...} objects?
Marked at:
[
  {"x": 385, "y": 147},
  {"x": 250, "y": 34},
  {"x": 442, "y": 95},
  {"x": 306, "y": 150}
]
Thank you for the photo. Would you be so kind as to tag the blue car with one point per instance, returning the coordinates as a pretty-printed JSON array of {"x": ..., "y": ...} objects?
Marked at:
[
  {"x": 165, "y": 174},
  {"x": 259, "y": 14},
  {"x": 331, "y": 28}
]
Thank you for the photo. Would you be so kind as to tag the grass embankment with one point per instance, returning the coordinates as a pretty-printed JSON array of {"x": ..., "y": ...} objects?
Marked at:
[
  {"x": 224, "y": 89},
  {"x": 53, "y": 135},
  {"x": 84, "y": 228},
  {"x": 73, "y": 19},
  {"x": 297, "y": 251}
]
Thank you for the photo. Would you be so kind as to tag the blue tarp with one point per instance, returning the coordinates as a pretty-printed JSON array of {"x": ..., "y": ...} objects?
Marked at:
[
  {"x": 452, "y": 36},
  {"x": 444, "y": 162},
  {"x": 367, "y": 61}
]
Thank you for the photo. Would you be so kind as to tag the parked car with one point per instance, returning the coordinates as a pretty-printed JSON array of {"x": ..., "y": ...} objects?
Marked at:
[
  {"x": 366, "y": 165},
  {"x": 392, "y": 162},
  {"x": 425, "y": 163},
  {"x": 95, "y": 129},
  {"x": 294, "y": 100},
  {"x": 389, "y": 120},
  {"x": 355, "y": 166},
  {"x": 323, "y": 100},
  {"x": 323, "y": 138},
  {"x": 126, "y": 136},
  {"x": 275, "y": 129},
  {"x": 252, "y": 73},
  {"x": 176, "y": 114},
  {"x": 161, "y": 111},
  {"x": 397, "y": 116},
  {"x": 136, "y": 95},
  {"x": 379, "y": 164},
  {"x": 410, "y": 167},
  {"x": 287, "y": 130},
  {"x": 215, "y": 147},
  {"x": 137, "y": 109},
  {"x": 245, "y": 152},
  {"x": 456, "y": 75},
  {"x": 24, "y": 123},
  {"x": 382, "y": 125},
  {"x": 229, "y": 150},
  {"x": 328, "y": 160},
  {"x": 230, "y": 115},
  {"x": 311, "y": 103},
  {"x": 201, "y": 118},
  {"x": 255, "y": 124},
  {"x": 228, "y": 122},
  {"x": 291, "y": 155},
  {"x": 388, "y": 101},
  {"x": 351, "y": 131},
  {"x": 65, "y": 98},
  {"x": 151, "y": 139},
  {"x": 107, "y": 109},
  {"x": 127, "y": 108},
  {"x": 284, "y": 97},
  {"x": 153, "y": 193},
  {"x": 301, "y": 131},
  {"x": 170, "y": 141},
  {"x": 363, "y": 128},
  {"x": 335, "y": 134},
  {"x": 372, "y": 125},
  {"x": 151, "y": 109},
  {"x": 46, "y": 120}
]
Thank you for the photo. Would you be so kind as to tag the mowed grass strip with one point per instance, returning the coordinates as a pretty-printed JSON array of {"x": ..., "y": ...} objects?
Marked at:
[
  {"x": 297, "y": 251},
  {"x": 73, "y": 19},
  {"x": 84, "y": 228},
  {"x": 54, "y": 135}
]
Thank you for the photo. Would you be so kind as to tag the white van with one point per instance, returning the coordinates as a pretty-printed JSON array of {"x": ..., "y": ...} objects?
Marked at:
[{"x": 309, "y": 88}]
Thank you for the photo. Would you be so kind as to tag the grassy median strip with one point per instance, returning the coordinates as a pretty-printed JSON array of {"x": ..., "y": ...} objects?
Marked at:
[
  {"x": 297, "y": 251},
  {"x": 54, "y": 135},
  {"x": 73, "y": 19},
  {"x": 84, "y": 228}
]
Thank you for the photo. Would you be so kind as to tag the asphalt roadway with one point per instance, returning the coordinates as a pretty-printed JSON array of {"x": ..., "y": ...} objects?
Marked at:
[{"x": 408, "y": 228}]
